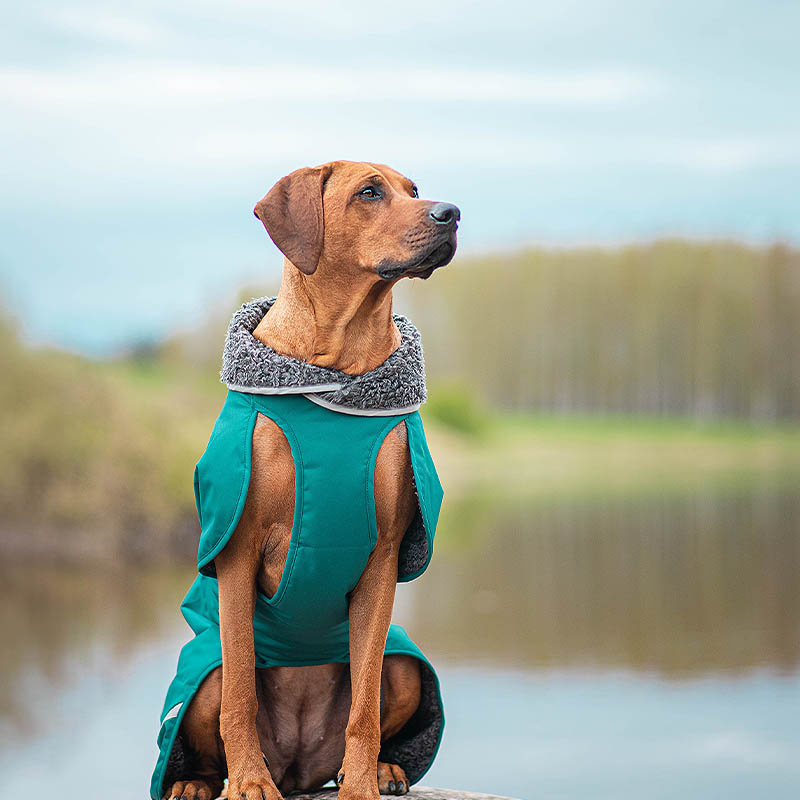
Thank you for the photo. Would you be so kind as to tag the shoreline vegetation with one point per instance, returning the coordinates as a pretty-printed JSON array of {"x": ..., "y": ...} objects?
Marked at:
[{"x": 98, "y": 455}]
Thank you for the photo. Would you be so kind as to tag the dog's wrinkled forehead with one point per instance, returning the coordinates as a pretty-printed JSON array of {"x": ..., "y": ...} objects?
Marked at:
[{"x": 348, "y": 176}]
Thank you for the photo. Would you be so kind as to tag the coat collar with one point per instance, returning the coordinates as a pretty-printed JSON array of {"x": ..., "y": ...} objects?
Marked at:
[{"x": 397, "y": 386}]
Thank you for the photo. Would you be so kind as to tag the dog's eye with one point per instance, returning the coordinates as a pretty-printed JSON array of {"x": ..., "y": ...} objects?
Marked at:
[
  {"x": 414, "y": 191},
  {"x": 370, "y": 192}
]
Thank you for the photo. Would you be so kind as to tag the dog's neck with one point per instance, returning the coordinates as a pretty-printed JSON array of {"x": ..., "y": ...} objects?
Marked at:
[{"x": 331, "y": 323}]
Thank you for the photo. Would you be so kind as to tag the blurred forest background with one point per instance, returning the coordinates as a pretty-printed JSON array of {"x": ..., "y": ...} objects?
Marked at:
[{"x": 699, "y": 342}]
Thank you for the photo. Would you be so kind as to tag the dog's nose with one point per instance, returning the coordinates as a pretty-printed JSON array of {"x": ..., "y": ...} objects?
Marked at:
[{"x": 444, "y": 213}]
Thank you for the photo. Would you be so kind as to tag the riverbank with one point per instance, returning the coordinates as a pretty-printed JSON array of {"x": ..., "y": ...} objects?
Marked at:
[{"x": 533, "y": 455}]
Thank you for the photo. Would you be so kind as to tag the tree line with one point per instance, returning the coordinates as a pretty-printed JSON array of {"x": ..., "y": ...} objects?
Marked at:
[{"x": 671, "y": 328}]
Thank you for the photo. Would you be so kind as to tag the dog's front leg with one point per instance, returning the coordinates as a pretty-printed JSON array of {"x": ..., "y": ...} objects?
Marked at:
[
  {"x": 248, "y": 775},
  {"x": 370, "y": 614}
]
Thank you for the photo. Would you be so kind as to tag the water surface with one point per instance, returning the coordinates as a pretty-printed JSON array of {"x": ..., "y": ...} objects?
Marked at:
[{"x": 646, "y": 646}]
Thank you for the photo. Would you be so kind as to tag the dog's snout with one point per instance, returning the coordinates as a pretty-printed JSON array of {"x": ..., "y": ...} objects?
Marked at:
[{"x": 444, "y": 213}]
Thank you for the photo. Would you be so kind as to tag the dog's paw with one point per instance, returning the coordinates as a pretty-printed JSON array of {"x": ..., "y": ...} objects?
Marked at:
[
  {"x": 189, "y": 790},
  {"x": 254, "y": 790},
  {"x": 252, "y": 784},
  {"x": 391, "y": 779},
  {"x": 359, "y": 786}
]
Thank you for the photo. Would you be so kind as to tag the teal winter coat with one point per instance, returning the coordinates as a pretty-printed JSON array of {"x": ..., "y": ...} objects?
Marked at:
[{"x": 334, "y": 531}]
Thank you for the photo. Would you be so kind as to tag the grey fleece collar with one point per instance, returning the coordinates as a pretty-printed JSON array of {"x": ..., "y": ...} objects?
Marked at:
[{"x": 395, "y": 387}]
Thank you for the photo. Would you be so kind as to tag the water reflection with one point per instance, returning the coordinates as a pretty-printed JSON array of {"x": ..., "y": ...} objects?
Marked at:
[
  {"x": 61, "y": 623},
  {"x": 681, "y": 586}
]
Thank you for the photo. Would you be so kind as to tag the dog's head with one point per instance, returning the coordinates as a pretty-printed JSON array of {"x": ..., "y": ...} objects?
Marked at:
[{"x": 358, "y": 218}]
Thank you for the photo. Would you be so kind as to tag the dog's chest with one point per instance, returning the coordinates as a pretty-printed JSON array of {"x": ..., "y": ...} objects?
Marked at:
[{"x": 284, "y": 530}]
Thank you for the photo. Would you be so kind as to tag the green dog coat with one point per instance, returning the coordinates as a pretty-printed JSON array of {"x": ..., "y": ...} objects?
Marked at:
[{"x": 334, "y": 430}]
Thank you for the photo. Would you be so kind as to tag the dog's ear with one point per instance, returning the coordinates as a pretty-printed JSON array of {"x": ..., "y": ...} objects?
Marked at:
[{"x": 292, "y": 214}]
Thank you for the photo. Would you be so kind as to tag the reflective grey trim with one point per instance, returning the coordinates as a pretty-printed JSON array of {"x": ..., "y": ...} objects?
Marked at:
[
  {"x": 362, "y": 412},
  {"x": 173, "y": 712},
  {"x": 325, "y": 387}
]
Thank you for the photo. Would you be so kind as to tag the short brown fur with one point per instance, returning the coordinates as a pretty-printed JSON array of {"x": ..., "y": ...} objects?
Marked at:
[{"x": 334, "y": 309}]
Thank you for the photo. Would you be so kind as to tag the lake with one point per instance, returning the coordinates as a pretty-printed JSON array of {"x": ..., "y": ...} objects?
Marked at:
[{"x": 643, "y": 646}]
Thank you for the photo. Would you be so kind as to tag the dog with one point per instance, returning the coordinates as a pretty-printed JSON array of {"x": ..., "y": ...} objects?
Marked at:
[{"x": 349, "y": 231}]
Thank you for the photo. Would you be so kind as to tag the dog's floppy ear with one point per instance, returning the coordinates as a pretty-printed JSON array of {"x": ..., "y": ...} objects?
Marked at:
[{"x": 292, "y": 214}]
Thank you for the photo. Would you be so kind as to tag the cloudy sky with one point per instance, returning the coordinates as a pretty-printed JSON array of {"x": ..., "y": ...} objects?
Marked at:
[{"x": 136, "y": 137}]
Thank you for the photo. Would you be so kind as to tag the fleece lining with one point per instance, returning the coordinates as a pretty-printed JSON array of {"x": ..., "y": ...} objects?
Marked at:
[{"x": 396, "y": 386}]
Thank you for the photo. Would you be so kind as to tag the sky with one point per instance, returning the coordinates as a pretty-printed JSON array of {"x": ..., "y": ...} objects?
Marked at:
[{"x": 136, "y": 137}]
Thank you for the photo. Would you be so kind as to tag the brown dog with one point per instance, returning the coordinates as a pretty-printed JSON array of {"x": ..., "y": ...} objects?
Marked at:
[{"x": 349, "y": 232}]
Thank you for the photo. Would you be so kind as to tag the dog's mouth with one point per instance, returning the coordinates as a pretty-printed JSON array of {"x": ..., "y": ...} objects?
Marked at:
[
  {"x": 422, "y": 266},
  {"x": 441, "y": 255}
]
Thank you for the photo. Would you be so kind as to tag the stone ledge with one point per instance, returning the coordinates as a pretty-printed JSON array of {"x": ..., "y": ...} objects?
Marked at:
[{"x": 417, "y": 792}]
